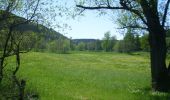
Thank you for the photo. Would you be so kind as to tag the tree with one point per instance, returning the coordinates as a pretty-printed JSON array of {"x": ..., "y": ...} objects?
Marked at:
[
  {"x": 144, "y": 42},
  {"x": 72, "y": 45},
  {"x": 10, "y": 22},
  {"x": 91, "y": 46},
  {"x": 128, "y": 42},
  {"x": 13, "y": 40},
  {"x": 137, "y": 43},
  {"x": 119, "y": 46},
  {"x": 81, "y": 46},
  {"x": 62, "y": 45},
  {"x": 113, "y": 42},
  {"x": 40, "y": 44},
  {"x": 148, "y": 16},
  {"x": 66, "y": 46},
  {"x": 106, "y": 44},
  {"x": 52, "y": 46},
  {"x": 98, "y": 45}
]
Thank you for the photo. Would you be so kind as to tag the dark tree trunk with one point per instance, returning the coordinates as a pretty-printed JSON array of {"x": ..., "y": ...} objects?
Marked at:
[
  {"x": 157, "y": 41},
  {"x": 159, "y": 71},
  {"x": 1, "y": 69}
]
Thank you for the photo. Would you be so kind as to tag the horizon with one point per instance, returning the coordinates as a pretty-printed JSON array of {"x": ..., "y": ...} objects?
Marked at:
[{"x": 92, "y": 26}]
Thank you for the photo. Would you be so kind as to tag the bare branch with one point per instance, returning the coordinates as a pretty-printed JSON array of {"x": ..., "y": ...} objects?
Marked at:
[
  {"x": 32, "y": 16},
  {"x": 133, "y": 26},
  {"x": 123, "y": 7},
  {"x": 99, "y": 7},
  {"x": 165, "y": 13},
  {"x": 108, "y": 3}
]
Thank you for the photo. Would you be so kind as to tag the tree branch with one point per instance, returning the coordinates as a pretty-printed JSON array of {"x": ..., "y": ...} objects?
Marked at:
[
  {"x": 134, "y": 26},
  {"x": 138, "y": 13},
  {"x": 32, "y": 16},
  {"x": 123, "y": 7},
  {"x": 165, "y": 13},
  {"x": 99, "y": 7},
  {"x": 108, "y": 3}
]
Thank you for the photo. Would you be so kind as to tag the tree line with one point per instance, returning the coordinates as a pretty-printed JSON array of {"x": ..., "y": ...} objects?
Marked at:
[{"x": 131, "y": 42}]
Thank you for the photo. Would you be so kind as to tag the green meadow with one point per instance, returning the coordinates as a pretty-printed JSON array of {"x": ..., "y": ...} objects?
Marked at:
[{"x": 88, "y": 76}]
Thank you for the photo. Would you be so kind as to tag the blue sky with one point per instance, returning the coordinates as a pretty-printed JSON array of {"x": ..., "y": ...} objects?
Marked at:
[{"x": 91, "y": 25}]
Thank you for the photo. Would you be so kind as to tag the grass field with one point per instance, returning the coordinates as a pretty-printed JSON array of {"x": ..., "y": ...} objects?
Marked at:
[{"x": 89, "y": 76}]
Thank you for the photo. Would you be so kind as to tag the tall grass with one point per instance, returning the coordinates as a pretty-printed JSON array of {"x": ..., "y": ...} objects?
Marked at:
[{"x": 89, "y": 76}]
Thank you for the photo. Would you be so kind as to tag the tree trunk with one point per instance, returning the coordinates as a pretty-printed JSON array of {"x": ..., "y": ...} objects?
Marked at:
[
  {"x": 157, "y": 41},
  {"x": 1, "y": 69},
  {"x": 159, "y": 71}
]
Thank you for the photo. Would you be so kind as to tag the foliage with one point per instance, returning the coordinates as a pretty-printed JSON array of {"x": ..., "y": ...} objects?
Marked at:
[
  {"x": 119, "y": 46},
  {"x": 59, "y": 46},
  {"x": 81, "y": 46},
  {"x": 130, "y": 43},
  {"x": 91, "y": 46},
  {"x": 137, "y": 43},
  {"x": 108, "y": 42},
  {"x": 145, "y": 43},
  {"x": 98, "y": 46},
  {"x": 168, "y": 40},
  {"x": 129, "y": 40},
  {"x": 15, "y": 41}
]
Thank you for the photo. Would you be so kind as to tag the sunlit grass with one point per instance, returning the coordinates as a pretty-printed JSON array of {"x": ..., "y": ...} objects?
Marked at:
[{"x": 88, "y": 76}]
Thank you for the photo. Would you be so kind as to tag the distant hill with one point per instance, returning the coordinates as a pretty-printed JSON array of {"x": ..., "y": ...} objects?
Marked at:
[
  {"x": 77, "y": 41},
  {"x": 37, "y": 36},
  {"x": 42, "y": 31}
]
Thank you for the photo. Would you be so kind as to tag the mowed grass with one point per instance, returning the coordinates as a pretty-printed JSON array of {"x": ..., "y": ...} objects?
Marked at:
[{"x": 88, "y": 76}]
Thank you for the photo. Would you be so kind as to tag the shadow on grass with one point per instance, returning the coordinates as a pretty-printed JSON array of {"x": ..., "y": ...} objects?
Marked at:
[
  {"x": 9, "y": 91},
  {"x": 148, "y": 94}
]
